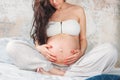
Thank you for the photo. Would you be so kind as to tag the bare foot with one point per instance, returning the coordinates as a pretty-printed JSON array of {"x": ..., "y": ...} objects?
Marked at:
[{"x": 42, "y": 71}]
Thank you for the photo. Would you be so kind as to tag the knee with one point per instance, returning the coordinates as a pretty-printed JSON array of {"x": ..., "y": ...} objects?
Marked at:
[
  {"x": 11, "y": 47},
  {"x": 111, "y": 51}
]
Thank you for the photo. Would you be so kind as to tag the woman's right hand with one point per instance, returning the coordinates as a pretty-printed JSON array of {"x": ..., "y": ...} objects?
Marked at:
[{"x": 43, "y": 49}]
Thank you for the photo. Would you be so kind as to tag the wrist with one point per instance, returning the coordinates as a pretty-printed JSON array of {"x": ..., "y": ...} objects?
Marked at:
[
  {"x": 82, "y": 52},
  {"x": 38, "y": 48}
]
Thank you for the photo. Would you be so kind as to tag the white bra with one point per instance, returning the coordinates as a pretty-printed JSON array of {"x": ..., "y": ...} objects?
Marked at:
[{"x": 70, "y": 27}]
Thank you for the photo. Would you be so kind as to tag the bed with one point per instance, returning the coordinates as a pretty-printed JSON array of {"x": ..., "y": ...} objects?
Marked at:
[{"x": 8, "y": 71}]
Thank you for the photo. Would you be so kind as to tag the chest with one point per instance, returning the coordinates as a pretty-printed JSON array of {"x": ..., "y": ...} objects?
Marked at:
[
  {"x": 63, "y": 15},
  {"x": 70, "y": 27}
]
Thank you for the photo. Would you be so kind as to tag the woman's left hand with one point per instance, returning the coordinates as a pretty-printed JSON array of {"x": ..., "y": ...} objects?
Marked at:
[{"x": 72, "y": 59}]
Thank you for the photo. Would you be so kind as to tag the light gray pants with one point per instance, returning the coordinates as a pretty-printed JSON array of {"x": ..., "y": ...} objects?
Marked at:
[{"x": 100, "y": 59}]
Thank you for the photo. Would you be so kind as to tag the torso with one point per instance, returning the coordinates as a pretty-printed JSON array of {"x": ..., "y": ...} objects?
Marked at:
[{"x": 62, "y": 43}]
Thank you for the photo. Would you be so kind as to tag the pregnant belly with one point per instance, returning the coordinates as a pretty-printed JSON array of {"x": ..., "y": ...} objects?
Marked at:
[{"x": 61, "y": 46}]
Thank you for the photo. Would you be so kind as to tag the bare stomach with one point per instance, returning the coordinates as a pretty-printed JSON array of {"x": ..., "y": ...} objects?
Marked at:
[{"x": 62, "y": 45}]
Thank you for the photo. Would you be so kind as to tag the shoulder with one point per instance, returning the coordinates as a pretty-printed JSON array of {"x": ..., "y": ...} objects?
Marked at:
[{"x": 77, "y": 9}]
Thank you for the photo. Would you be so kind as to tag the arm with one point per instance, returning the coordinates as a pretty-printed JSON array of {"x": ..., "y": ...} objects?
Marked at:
[{"x": 82, "y": 37}]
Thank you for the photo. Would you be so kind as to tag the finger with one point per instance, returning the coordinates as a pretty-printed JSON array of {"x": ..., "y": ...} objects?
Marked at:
[
  {"x": 51, "y": 58},
  {"x": 69, "y": 63},
  {"x": 75, "y": 57},
  {"x": 70, "y": 57},
  {"x": 75, "y": 51},
  {"x": 51, "y": 53},
  {"x": 48, "y": 46},
  {"x": 72, "y": 51}
]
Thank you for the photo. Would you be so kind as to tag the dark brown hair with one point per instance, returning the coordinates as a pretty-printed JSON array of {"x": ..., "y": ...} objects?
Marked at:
[{"x": 42, "y": 12}]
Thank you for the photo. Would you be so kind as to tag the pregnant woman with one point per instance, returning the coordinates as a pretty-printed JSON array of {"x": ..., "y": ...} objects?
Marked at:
[{"x": 59, "y": 34}]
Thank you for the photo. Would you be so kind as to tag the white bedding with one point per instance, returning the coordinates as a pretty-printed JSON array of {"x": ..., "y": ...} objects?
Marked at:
[
  {"x": 8, "y": 71},
  {"x": 11, "y": 72}
]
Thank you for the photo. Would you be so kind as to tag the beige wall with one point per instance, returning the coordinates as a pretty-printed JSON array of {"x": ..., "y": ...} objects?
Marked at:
[
  {"x": 15, "y": 17},
  {"x": 103, "y": 20}
]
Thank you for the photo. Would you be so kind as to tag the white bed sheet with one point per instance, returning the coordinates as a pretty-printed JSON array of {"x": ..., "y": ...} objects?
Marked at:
[
  {"x": 11, "y": 72},
  {"x": 8, "y": 71}
]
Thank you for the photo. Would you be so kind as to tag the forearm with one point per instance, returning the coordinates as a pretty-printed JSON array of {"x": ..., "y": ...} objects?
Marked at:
[{"x": 83, "y": 45}]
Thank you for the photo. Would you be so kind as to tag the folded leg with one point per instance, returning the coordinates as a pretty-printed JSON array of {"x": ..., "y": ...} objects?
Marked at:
[
  {"x": 100, "y": 59},
  {"x": 25, "y": 56}
]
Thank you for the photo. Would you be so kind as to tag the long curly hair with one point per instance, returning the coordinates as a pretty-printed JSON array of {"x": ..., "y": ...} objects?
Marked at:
[{"x": 43, "y": 10}]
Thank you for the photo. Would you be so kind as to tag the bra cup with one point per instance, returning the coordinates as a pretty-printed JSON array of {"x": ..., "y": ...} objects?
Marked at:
[
  {"x": 53, "y": 29},
  {"x": 70, "y": 27}
]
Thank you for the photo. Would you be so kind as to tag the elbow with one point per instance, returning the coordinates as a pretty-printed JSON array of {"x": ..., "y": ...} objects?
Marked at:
[{"x": 83, "y": 39}]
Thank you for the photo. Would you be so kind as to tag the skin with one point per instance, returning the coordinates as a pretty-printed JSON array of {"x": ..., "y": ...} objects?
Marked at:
[{"x": 62, "y": 8}]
